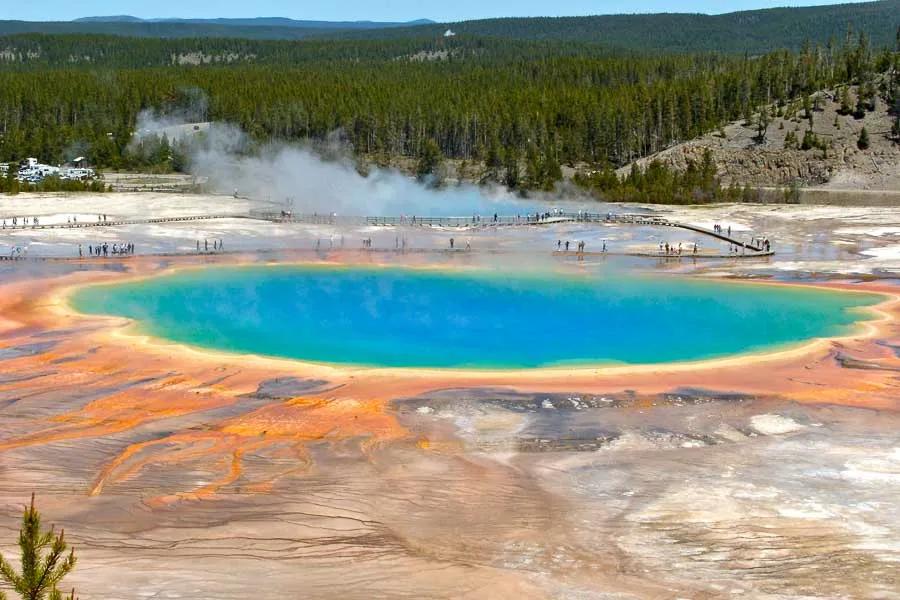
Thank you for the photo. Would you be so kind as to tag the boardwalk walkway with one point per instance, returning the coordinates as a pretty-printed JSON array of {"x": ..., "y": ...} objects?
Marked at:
[
  {"x": 476, "y": 222},
  {"x": 116, "y": 222}
]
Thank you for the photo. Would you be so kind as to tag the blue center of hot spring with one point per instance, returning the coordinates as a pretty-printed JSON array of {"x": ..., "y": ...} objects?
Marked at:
[{"x": 419, "y": 318}]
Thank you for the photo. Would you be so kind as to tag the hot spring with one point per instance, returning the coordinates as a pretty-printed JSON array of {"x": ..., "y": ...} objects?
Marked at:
[{"x": 399, "y": 317}]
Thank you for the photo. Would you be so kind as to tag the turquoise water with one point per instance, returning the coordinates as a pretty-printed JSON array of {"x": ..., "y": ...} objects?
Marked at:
[{"x": 419, "y": 318}]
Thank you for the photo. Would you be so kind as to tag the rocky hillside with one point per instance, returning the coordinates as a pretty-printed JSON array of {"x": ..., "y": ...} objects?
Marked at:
[{"x": 832, "y": 158}]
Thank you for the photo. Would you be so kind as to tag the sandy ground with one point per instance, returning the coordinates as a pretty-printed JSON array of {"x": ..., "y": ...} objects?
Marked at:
[{"x": 184, "y": 474}]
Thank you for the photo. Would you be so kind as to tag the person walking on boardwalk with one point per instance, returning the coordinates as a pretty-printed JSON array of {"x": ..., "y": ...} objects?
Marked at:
[
  {"x": 451, "y": 243},
  {"x": 558, "y": 245},
  {"x": 567, "y": 245}
]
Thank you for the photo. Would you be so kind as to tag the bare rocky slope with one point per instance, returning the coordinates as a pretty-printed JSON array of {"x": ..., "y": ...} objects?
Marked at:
[{"x": 837, "y": 165}]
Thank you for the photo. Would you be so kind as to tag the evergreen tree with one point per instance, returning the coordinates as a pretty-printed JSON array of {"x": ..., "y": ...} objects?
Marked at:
[
  {"x": 762, "y": 125},
  {"x": 863, "y": 142},
  {"x": 429, "y": 161},
  {"x": 44, "y": 560},
  {"x": 846, "y": 102}
]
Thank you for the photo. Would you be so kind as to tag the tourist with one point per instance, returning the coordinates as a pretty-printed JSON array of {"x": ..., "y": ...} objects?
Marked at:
[
  {"x": 451, "y": 243},
  {"x": 567, "y": 245},
  {"x": 558, "y": 245}
]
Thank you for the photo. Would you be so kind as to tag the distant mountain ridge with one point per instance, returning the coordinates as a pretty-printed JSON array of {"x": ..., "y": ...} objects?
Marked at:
[{"x": 260, "y": 22}]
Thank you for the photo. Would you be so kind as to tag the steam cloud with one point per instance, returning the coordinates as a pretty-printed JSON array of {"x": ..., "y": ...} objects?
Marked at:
[{"x": 322, "y": 179}]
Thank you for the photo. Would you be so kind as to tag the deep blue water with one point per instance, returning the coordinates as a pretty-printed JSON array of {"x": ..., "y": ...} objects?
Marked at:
[{"x": 423, "y": 318}]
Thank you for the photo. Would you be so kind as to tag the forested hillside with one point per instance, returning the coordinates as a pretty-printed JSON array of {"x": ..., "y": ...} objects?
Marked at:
[
  {"x": 757, "y": 31},
  {"x": 38, "y": 51},
  {"x": 498, "y": 107}
]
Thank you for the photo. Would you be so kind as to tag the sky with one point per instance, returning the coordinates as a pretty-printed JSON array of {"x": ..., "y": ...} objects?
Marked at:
[{"x": 373, "y": 10}]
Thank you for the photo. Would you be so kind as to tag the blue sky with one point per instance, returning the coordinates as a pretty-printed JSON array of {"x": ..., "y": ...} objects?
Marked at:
[{"x": 377, "y": 10}]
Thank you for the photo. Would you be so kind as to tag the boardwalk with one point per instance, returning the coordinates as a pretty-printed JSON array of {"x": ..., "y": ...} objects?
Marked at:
[
  {"x": 747, "y": 249},
  {"x": 476, "y": 222},
  {"x": 117, "y": 222}
]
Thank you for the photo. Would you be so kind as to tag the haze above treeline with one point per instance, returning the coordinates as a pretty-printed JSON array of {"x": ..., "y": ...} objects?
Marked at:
[{"x": 747, "y": 31}]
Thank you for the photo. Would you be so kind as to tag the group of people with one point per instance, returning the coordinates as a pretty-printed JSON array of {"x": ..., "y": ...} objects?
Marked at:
[
  {"x": 476, "y": 218},
  {"x": 35, "y": 221},
  {"x": 217, "y": 246},
  {"x": 722, "y": 231},
  {"x": 15, "y": 222},
  {"x": 672, "y": 250},
  {"x": 453, "y": 244},
  {"x": 537, "y": 217},
  {"x": 579, "y": 246},
  {"x": 105, "y": 249}
]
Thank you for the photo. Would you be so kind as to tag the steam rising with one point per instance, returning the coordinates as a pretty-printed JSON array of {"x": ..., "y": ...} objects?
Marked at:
[
  {"x": 318, "y": 179},
  {"x": 325, "y": 180}
]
